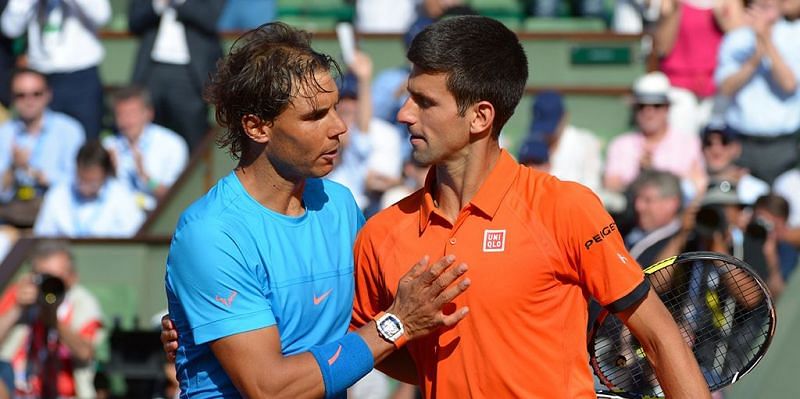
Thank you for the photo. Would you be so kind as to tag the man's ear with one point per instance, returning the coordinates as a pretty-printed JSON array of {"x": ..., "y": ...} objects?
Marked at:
[
  {"x": 256, "y": 129},
  {"x": 483, "y": 117}
]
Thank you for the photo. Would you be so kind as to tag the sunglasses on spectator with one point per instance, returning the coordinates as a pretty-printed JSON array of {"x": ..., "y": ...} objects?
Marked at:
[
  {"x": 640, "y": 107},
  {"x": 723, "y": 139},
  {"x": 32, "y": 94}
]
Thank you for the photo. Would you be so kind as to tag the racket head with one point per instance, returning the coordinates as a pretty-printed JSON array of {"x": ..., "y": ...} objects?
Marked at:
[{"x": 723, "y": 309}]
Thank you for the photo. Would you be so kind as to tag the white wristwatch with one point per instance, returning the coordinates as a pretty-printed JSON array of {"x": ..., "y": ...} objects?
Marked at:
[{"x": 391, "y": 329}]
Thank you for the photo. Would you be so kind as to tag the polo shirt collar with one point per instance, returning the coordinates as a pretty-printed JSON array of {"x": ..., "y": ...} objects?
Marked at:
[{"x": 488, "y": 197}]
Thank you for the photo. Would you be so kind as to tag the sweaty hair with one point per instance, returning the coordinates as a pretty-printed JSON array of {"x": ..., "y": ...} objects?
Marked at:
[
  {"x": 260, "y": 76},
  {"x": 132, "y": 92},
  {"x": 92, "y": 153},
  {"x": 483, "y": 61}
]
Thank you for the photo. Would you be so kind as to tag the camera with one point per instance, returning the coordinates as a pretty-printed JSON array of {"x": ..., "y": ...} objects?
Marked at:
[
  {"x": 51, "y": 289},
  {"x": 758, "y": 229},
  {"x": 710, "y": 219}
]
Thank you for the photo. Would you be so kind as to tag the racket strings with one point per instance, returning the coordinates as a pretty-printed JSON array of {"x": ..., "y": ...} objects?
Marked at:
[{"x": 721, "y": 312}]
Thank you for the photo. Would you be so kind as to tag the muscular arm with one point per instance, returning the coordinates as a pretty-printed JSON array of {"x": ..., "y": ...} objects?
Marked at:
[
  {"x": 254, "y": 362},
  {"x": 673, "y": 361}
]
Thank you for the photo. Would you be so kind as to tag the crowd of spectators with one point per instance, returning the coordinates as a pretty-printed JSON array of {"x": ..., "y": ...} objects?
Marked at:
[{"x": 710, "y": 162}]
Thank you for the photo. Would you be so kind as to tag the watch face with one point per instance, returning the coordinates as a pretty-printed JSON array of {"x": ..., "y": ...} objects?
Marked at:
[{"x": 390, "y": 326}]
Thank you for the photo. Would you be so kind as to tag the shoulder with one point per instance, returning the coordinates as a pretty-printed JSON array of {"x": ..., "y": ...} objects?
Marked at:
[
  {"x": 65, "y": 123},
  {"x": 394, "y": 218},
  {"x": 163, "y": 134},
  {"x": 623, "y": 139}
]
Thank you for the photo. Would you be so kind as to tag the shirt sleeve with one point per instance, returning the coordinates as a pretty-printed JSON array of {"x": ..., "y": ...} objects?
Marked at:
[
  {"x": 595, "y": 250},
  {"x": 736, "y": 48},
  {"x": 213, "y": 291}
]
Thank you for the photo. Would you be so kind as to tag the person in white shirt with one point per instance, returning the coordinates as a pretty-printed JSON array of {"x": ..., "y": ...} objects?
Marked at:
[
  {"x": 63, "y": 44},
  {"x": 148, "y": 158},
  {"x": 574, "y": 153},
  {"x": 178, "y": 51},
  {"x": 371, "y": 157},
  {"x": 93, "y": 205}
]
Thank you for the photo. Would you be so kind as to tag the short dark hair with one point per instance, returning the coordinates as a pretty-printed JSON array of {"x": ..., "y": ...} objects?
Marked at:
[
  {"x": 92, "y": 153},
  {"x": 482, "y": 58},
  {"x": 132, "y": 92},
  {"x": 264, "y": 70},
  {"x": 774, "y": 204}
]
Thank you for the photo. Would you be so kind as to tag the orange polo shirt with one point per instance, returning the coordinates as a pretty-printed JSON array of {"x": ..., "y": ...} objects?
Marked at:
[{"x": 537, "y": 249}]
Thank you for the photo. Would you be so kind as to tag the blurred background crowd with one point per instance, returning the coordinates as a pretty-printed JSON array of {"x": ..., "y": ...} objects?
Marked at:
[{"x": 708, "y": 161}]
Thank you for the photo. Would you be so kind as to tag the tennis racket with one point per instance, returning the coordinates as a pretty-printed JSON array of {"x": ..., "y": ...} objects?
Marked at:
[{"x": 724, "y": 312}]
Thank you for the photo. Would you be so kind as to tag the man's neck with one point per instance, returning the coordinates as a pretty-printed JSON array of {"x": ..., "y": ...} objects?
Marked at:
[
  {"x": 656, "y": 136},
  {"x": 134, "y": 138},
  {"x": 270, "y": 189},
  {"x": 459, "y": 179},
  {"x": 34, "y": 126}
]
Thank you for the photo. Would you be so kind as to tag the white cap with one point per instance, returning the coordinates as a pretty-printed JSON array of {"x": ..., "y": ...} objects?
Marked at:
[{"x": 652, "y": 88}]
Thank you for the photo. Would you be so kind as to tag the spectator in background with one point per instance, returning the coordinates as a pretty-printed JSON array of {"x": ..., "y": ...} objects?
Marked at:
[
  {"x": 413, "y": 179},
  {"x": 371, "y": 159},
  {"x": 575, "y": 154},
  {"x": 759, "y": 69},
  {"x": 687, "y": 38},
  {"x": 7, "y": 61},
  {"x": 51, "y": 346},
  {"x": 385, "y": 16},
  {"x": 246, "y": 14},
  {"x": 534, "y": 153},
  {"x": 37, "y": 148},
  {"x": 63, "y": 44},
  {"x": 178, "y": 51},
  {"x": 93, "y": 205},
  {"x": 655, "y": 145},
  {"x": 148, "y": 158},
  {"x": 721, "y": 149},
  {"x": 771, "y": 212},
  {"x": 657, "y": 202}
]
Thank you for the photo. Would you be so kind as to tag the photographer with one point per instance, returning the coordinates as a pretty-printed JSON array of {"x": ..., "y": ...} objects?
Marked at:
[{"x": 49, "y": 328}]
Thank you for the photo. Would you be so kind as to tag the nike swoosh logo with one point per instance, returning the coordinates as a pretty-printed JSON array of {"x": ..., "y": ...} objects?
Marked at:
[
  {"x": 335, "y": 356},
  {"x": 319, "y": 299},
  {"x": 227, "y": 301}
]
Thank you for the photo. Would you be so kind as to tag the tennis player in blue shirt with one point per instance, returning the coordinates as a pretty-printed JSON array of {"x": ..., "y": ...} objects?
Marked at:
[{"x": 260, "y": 272}]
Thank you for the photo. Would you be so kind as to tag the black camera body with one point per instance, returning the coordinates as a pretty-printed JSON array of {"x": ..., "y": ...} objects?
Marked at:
[{"x": 51, "y": 289}]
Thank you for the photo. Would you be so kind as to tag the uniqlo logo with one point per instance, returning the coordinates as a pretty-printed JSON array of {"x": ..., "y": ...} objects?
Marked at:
[{"x": 494, "y": 240}]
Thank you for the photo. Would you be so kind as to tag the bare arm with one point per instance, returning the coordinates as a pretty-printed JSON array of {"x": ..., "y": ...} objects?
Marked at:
[
  {"x": 249, "y": 356},
  {"x": 730, "y": 85},
  {"x": 673, "y": 361},
  {"x": 667, "y": 27},
  {"x": 80, "y": 347},
  {"x": 362, "y": 68},
  {"x": 780, "y": 72}
]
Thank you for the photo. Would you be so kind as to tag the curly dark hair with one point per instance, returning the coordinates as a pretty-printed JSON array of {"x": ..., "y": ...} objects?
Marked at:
[{"x": 260, "y": 76}]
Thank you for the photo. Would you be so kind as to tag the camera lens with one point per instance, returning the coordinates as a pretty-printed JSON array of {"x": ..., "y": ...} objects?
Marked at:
[{"x": 51, "y": 289}]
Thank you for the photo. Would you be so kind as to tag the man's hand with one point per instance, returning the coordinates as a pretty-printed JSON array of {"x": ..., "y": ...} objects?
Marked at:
[
  {"x": 22, "y": 157},
  {"x": 169, "y": 338},
  {"x": 423, "y": 292},
  {"x": 27, "y": 291}
]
